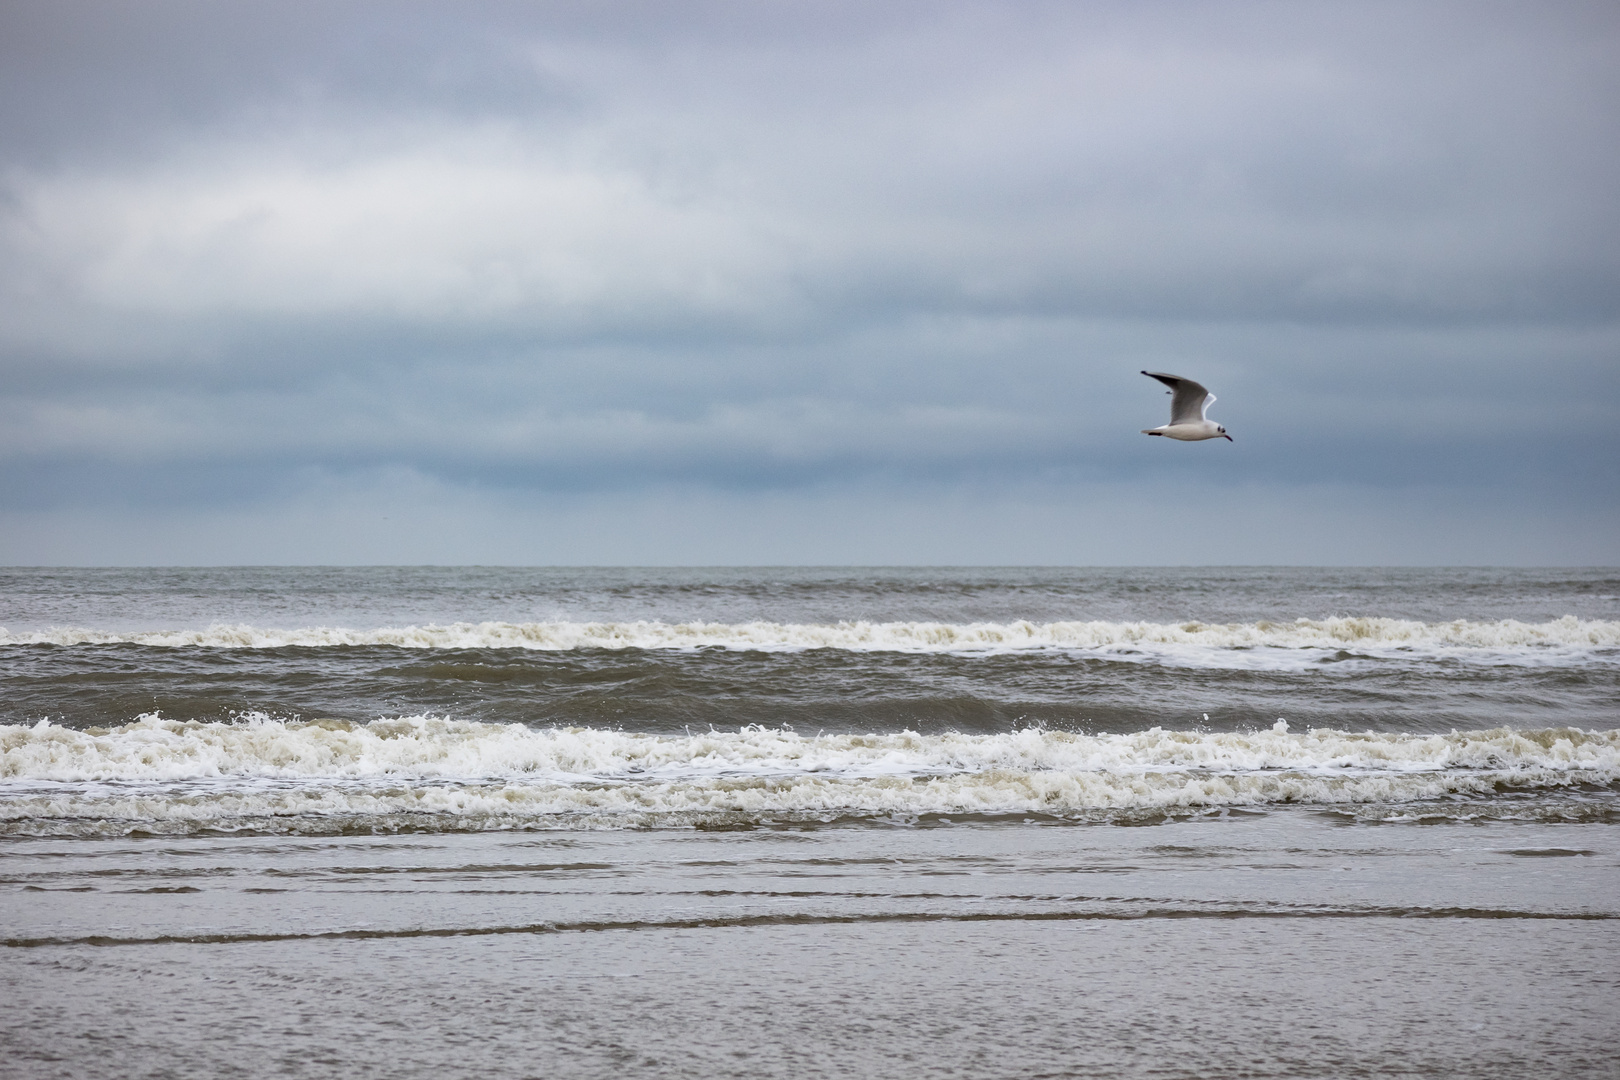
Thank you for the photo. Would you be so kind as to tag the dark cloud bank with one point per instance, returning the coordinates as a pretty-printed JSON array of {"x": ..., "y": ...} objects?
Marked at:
[{"x": 807, "y": 283}]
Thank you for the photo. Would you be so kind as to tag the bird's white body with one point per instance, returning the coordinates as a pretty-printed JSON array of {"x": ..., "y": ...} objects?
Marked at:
[
  {"x": 1200, "y": 429},
  {"x": 1187, "y": 405}
]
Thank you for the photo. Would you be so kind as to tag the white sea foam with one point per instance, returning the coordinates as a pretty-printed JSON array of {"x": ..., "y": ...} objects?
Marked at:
[
  {"x": 1222, "y": 644},
  {"x": 166, "y": 775}
]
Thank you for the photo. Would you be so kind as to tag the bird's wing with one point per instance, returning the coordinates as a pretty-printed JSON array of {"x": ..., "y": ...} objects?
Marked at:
[{"x": 1190, "y": 400}]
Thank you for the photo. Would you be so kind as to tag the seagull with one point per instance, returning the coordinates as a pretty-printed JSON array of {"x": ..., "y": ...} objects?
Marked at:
[{"x": 1187, "y": 421}]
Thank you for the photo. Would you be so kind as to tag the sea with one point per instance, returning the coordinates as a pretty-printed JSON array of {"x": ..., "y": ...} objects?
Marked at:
[{"x": 809, "y": 822}]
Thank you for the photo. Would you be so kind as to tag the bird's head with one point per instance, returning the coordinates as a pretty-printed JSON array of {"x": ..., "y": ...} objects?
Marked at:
[{"x": 1224, "y": 435}]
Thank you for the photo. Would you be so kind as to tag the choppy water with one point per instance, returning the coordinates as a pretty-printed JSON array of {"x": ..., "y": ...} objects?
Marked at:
[{"x": 811, "y": 822}]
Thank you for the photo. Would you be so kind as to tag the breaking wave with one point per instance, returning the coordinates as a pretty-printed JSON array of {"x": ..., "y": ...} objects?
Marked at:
[
  {"x": 1225, "y": 643},
  {"x": 160, "y": 775}
]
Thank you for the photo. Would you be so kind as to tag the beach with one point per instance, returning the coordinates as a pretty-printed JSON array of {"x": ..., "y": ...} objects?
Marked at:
[{"x": 754, "y": 822}]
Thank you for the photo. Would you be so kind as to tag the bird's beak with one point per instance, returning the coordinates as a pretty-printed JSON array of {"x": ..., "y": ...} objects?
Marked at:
[{"x": 1228, "y": 438}]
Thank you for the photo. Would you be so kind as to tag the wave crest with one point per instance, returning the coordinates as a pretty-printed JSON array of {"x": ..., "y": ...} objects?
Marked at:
[
  {"x": 1564, "y": 637},
  {"x": 186, "y": 775}
]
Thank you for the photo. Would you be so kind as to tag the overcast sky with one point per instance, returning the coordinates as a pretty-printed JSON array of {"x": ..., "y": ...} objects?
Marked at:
[{"x": 813, "y": 282}]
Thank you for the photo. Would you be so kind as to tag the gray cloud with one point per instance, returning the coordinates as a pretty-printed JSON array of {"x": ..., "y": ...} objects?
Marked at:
[{"x": 251, "y": 251}]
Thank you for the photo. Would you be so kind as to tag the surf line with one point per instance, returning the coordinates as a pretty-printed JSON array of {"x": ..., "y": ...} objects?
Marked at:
[{"x": 745, "y": 921}]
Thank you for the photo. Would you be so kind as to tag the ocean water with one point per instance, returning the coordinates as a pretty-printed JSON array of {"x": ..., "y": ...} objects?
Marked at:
[{"x": 802, "y": 822}]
